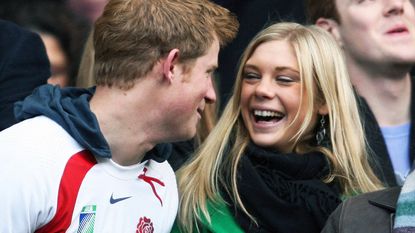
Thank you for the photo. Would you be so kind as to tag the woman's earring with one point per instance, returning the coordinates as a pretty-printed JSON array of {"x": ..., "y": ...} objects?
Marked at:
[{"x": 321, "y": 133}]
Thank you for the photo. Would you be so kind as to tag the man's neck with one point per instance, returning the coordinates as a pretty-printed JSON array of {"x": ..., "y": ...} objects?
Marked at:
[
  {"x": 127, "y": 146},
  {"x": 389, "y": 97}
]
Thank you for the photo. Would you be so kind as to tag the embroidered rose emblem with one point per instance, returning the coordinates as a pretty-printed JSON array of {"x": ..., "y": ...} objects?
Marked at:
[{"x": 145, "y": 226}]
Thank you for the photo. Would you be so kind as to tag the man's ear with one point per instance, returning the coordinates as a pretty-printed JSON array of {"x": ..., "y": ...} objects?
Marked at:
[
  {"x": 169, "y": 63},
  {"x": 332, "y": 27}
]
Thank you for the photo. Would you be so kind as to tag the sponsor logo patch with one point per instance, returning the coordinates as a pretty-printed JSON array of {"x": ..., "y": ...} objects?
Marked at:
[{"x": 87, "y": 219}]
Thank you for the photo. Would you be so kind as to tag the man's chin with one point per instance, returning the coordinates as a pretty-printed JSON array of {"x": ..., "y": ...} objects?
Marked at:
[{"x": 190, "y": 134}]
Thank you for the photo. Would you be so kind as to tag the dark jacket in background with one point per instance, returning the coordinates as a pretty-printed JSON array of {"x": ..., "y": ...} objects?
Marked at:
[
  {"x": 367, "y": 213},
  {"x": 181, "y": 152},
  {"x": 23, "y": 67},
  {"x": 380, "y": 160}
]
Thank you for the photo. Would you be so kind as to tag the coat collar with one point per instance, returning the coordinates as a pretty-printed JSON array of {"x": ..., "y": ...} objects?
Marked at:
[{"x": 386, "y": 199}]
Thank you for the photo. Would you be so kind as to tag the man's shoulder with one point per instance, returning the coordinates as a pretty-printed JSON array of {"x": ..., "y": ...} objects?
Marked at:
[
  {"x": 369, "y": 212},
  {"x": 38, "y": 135},
  {"x": 368, "y": 204},
  {"x": 385, "y": 198},
  {"x": 39, "y": 126}
]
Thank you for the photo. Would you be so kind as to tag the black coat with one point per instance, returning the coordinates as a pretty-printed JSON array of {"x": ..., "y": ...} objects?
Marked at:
[{"x": 24, "y": 65}]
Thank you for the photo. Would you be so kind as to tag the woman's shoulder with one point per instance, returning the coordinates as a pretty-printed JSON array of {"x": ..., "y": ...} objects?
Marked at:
[{"x": 222, "y": 219}]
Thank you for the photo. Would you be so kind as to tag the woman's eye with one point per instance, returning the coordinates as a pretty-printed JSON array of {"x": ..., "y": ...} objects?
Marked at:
[
  {"x": 251, "y": 76},
  {"x": 363, "y": 1},
  {"x": 284, "y": 79}
]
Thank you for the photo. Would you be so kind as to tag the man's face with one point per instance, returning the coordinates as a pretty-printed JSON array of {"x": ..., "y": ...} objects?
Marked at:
[
  {"x": 377, "y": 31},
  {"x": 193, "y": 89}
]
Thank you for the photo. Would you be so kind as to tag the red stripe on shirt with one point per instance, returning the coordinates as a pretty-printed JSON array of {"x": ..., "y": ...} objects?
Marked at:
[{"x": 76, "y": 169}]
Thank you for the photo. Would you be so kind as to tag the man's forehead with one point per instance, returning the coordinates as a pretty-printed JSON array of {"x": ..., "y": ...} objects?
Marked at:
[{"x": 343, "y": 3}]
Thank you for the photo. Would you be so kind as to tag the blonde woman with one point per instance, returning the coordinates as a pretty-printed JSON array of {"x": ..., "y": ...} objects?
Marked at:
[{"x": 288, "y": 146}]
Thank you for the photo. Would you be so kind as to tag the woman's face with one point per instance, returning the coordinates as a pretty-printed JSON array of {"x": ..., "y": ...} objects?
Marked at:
[{"x": 271, "y": 96}]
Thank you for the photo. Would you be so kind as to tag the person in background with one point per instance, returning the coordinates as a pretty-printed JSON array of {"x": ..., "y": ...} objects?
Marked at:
[
  {"x": 288, "y": 146},
  {"x": 24, "y": 66},
  {"x": 84, "y": 160},
  {"x": 378, "y": 40},
  {"x": 386, "y": 211},
  {"x": 62, "y": 33},
  {"x": 87, "y": 9}
]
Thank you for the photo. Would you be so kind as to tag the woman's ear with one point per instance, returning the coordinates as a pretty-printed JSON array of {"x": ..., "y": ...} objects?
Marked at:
[
  {"x": 169, "y": 63},
  {"x": 323, "y": 109}
]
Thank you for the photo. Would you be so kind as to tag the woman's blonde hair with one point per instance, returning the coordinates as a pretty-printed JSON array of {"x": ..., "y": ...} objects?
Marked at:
[
  {"x": 85, "y": 77},
  {"x": 325, "y": 79}
]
